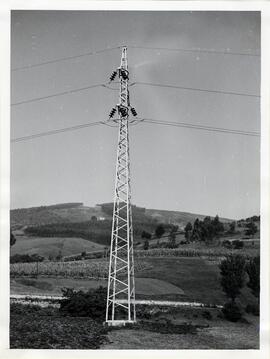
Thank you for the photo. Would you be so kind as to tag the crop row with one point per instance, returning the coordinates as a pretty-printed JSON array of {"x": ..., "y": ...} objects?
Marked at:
[
  {"x": 188, "y": 252},
  {"x": 78, "y": 269}
]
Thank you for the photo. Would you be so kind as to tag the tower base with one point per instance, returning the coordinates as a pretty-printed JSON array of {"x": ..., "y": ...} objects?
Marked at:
[{"x": 118, "y": 323}]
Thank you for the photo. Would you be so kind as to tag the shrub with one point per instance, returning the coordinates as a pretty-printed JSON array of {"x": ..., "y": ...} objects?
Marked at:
[
  {"x": 146, "y": 235},
  {"x": 227, "y": 244},
  {"x": 84, "y": 304},
  {"x": 207, "y": 315},
  {"x": 253, "y": 271},
  {"x": 26, "y": 258},
  {"x": 183, "y": 242},
  {"x": 238, "y": 244},
  {"x": 146, "y": 245},
  {"x": 232, "y": 311},
  {"x": 159, "y": 231},
  {"x": 253, "y": 309}
]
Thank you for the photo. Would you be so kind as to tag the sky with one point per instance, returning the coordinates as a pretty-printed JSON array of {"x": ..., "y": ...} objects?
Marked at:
[{"x": 172, "y": 168}]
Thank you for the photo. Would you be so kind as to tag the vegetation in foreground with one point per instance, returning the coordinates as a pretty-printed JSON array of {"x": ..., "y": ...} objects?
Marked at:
[{"x": 32, "y": 327}]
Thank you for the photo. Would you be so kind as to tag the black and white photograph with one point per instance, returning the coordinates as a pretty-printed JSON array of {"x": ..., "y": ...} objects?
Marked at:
[{"x": 135, "y": 179}]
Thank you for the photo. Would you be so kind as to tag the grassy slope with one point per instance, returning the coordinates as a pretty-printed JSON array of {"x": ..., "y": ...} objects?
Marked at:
[
  {"x": 78, "y": 213},
  {"x": 53, "y": 286},
  {"x": 198, "y": 278},
  {"x": 220, "y": 335},
  {"x": 46, "y": 246}
]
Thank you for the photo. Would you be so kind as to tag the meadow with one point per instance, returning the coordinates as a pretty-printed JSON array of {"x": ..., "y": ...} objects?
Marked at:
[{"x": 52, "y": 246}]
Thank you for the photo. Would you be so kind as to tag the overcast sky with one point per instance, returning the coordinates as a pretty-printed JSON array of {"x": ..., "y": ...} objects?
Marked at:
[{"x": 172, "y": 168}]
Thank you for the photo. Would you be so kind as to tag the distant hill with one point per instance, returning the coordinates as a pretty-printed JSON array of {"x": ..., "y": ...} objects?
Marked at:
[{"x": 77, "y": 212}]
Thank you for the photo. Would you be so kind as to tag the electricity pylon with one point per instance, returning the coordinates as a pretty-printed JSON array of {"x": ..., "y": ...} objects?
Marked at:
[{"x": 121, "y": 285}]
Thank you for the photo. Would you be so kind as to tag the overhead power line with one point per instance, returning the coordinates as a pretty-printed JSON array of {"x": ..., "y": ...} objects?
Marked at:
[
  {"x": 194, "y": 89},
  {"x": 139, "y": 120},
  {"x": 105, "y": 85},
  {"x": 201, "y": 127},
  {"x": 53, "y": 132},
  {"x": 96, "y": 52},
  {"x": 61, "y": 94},
  {"x": 67, "y": 58},
  {"x": 206, "y": 51}
]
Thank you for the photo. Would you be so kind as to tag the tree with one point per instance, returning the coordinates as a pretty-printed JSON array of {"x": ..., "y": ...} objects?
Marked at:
[
  {"x": 146, "y": 235},
  {"x": 208, "y": 229},
  {"x": 172, "y": 241},
  {"x": 94, "y": 219},
  {"x": 218, "y": 226},
  {"x": 12, "y": 239},
  {"x": 59, "y": 256},
  {"x": 232, "y": 227},
  {"x": 159, "y": 231},
  {"x": 232, "y": 270},
  {"x": 146, "y": 245},
  {"x": 251, "y": 229},
  {"x": 253, "y": 271},
  {"x": 188, "y": 230}
]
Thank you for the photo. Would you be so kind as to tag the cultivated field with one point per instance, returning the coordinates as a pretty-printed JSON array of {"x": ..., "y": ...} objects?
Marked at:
[{"x": 52, "y": 246}]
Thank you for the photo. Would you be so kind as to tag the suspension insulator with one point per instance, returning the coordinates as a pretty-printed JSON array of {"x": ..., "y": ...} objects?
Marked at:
[
  {"x": 112, "y": 112},
  {"x": 113, "y": 75}
]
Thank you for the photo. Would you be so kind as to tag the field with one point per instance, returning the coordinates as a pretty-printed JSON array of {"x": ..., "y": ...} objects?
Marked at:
[
  {"x": 189, "y": 279},
  {"x": 34, "y": 327},
  {"x": 189, "y": 273},
  {"x": 157, "y": 278},
  {"x": 51, "y": 246},
  {"x": 219, "y": 335}
]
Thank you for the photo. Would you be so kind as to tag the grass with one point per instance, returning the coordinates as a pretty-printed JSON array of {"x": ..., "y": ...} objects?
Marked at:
[
  {"x": 199, "y": 279},
  {"x": 189, "y": 279},
  {"x": 219, "y": 337},
  {"x": 51, "y": 246},
  {"x": 215, "y": 333},
  {"x": 52, "y": 286},
  {"x": 32, "y": 327}
]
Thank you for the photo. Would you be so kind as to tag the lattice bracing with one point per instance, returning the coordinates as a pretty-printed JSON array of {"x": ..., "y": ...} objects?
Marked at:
[{"x": 121, "y": 285}]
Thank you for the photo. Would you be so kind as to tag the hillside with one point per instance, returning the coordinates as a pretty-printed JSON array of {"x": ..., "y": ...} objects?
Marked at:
[{"x": 77, "y": 212}]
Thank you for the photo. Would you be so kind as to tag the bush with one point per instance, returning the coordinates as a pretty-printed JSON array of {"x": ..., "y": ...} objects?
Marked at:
[
  {"x": 84, "y": 304},
  {"x": 183, "y": 242},
  {"x": 253, "y": 309},
  {"x": 207, "y": 315},
  {"x": 232, "y": 311},
  {"x": 238, "y": 244},
  {"x": 227, "y": 244},
  {"x": 146, "y": 245},
  {"x": 26, "y": 258},
  {"x": 253, "y": 271}
]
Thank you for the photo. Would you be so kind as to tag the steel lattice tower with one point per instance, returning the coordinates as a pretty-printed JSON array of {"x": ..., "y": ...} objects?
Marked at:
[{"x": 121, "y": 286}]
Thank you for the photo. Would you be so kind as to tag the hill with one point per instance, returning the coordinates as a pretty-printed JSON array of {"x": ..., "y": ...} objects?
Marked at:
[
  {"x": 77, "y": 212},
  {"x": 52, "y": 246}
]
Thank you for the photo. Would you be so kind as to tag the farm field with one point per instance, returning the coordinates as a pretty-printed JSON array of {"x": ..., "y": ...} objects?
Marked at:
[
  {"x": 191, "y": 279},
  {"x": 51, "y": 246},
  {"x": 197, "y": 277},
  {"x": 53, "y": 286}
]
